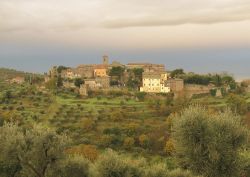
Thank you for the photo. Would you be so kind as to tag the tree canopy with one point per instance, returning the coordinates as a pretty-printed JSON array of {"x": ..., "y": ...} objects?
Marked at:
[{"x": 209, "y": 144}]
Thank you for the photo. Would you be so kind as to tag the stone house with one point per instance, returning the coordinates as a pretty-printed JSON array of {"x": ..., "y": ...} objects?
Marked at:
[
  {"x": 103, "y": 81},
  {"x": 176, "y": 85},
  {"x": 67, "y": 84},
  {"x": 91, "y": 84},
  {"x": 83, "y": 91},
  {"x": 70, "y": 74},
  {"x": 86, "y": 71},
  {"x": 100, "y": 70}
]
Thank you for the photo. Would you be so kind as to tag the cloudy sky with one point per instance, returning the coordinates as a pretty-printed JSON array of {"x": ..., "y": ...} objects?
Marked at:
[{"x": 35, "y": 34}]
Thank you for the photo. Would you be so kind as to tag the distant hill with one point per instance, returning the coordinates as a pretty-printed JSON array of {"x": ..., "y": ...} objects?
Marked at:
[{"x": 6, "y": 73}]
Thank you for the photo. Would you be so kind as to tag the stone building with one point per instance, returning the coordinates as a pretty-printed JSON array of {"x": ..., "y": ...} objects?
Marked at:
[
  {"x": 70, "y": 74},
  {"x": 100, "y": 70},
  {"x": 193, "y": 89},
  {"x": 83, "y": 91},
  {"x": 86, "y": 71},
  {"x": 105, "y": 60},
  {"x": 91, "y": 84},
  {"x": 103, "y": 81},
  {"x": 67, "y": 84},
  {"x": 176, "y": 85},
  {"x": 98, "y": 83},
  {"x": 154, "y": 82}
]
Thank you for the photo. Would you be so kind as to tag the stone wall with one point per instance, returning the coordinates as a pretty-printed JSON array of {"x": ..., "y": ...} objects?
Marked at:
[{"x": 193, "y": 89}]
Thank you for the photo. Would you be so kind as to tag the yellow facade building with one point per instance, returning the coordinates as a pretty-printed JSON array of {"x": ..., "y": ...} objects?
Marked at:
[{"x": 100, "y": 72}]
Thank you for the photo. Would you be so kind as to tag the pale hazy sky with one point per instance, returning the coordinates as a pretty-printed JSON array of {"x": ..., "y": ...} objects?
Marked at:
[{"x": 122, "y": 25}]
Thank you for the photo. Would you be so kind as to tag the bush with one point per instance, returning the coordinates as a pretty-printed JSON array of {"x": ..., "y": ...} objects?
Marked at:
[
  {"x": 209, "y": 144},
  {"x": 110, "y": 164},
  {"x": 180, "y": 173},
  {"x": 75, "y": 166},
  {"x": 141, "y": 96},
  {"x": 87, "y": 151},
  {"x": 157, "y": 170}
]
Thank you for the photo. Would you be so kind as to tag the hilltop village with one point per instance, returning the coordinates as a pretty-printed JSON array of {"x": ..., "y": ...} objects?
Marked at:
[{"x": 144, "y": 77}]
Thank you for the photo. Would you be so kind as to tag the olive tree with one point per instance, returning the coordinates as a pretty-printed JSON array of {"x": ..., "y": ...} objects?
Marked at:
[
  {"x": 32, "y": 152},
  {"x": 209, "y": 144}
]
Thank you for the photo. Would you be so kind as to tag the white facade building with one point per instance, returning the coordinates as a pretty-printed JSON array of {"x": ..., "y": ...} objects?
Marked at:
[{"x": 154, "y": 83}]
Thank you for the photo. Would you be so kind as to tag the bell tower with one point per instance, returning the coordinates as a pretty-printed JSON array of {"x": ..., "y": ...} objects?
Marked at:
[{"x": 105, "y": 60}]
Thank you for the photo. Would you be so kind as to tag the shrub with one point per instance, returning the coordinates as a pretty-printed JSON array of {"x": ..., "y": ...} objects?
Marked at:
[
  {"x": 180, "y": 173},
  {"x": 88, "y": 124},
  {"x": 209, "y": 144},
  {"x": 75, "y": 166},
  {"x": 144, "y": 140},
  {"x": 128, "y": 142},
  {"x": 157, "y": 170},
  {"x": 110, "y": 164},
  {"x": 141, "y": 96},
  {"x": 87, "y": 151},
  {"x": 169, "y": 148}
]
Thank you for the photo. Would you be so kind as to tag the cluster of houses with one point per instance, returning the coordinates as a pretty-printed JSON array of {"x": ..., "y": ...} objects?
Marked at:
[{"x": 155, "y": 79}]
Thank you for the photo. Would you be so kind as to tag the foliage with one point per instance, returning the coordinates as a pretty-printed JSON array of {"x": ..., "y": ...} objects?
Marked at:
[
  {"x": 177, "y": 73},
  {"x": 128, "y": 142},
  {"x": 78, "y": 82},
  {"x": 197, "y": 79},
  {"x": 73, "y": 166},
  {"x": 141, "y": 95},
  {"x": 89, "y": 152},
  {"x": 213, "y": 92},
  {"x": 110, "y": 164},
  {"x": 51, "y": 84},
  {"x": 209, "y": 144},
  {"x": 117, "y": 71},
  {"x": 169, "y": 148},
  {"x": 135, "y": 78},
  {"x": 59, "y": 81},
  {"x": 205, "y": 79},
  {"x": 157, "y": 170},
  {"x": 61, "y": 68},
  {"x": 144, "y": 140},
  {"x": 180, "y": 173},
  {"x": 33, "y": 152},
  {"x": 88, "y": 124},
  {"x": 237, "y": 104},
  {"x": 245, "y": 162}
]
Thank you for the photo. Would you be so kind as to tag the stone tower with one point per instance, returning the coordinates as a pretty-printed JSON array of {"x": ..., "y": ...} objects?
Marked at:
[{"x": 105, "y": 60}]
